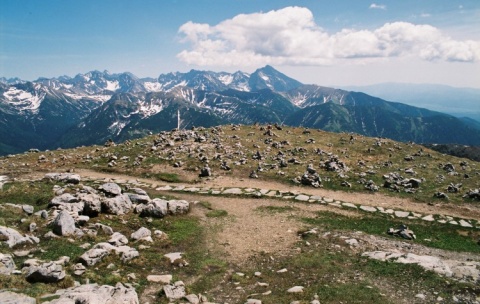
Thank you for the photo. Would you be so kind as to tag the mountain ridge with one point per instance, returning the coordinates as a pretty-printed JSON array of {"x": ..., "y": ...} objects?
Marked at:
[{"x": 92, "y": 107}]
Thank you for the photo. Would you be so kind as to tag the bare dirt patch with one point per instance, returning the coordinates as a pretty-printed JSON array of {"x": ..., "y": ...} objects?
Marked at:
[{"x": 247, "y": 231}]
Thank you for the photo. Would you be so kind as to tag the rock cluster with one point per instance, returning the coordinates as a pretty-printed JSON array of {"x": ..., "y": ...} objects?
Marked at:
[
  {"x": 396, "y": 182},
  {"x": 13, "y": 238},
  {"x": 403, "y": 232},
  {"x": 95, "y": 294},
  {"x": 473, "y": 194}
]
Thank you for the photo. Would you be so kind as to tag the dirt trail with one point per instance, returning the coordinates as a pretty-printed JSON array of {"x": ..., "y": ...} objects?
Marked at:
[
  {"x": 369, "y": 199},
  {"x": 247, "y": 230}
]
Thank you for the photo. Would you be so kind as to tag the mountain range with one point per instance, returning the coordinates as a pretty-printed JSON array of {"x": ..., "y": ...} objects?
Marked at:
[{"x": 90, "y": 108}]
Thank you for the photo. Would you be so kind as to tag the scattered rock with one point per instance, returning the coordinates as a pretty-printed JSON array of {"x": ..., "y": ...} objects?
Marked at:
[
  {"x": 175, "y": 291},
  {"x": 7, "y": 265},
  {"x": 28, "y": 209},
  {"x": 205, "y": 172},
  {"x": 64, "y": 224},
  {"x": 295, "y": 289},
  {"x": 118, "y": 239},
  {"x": 142, "y": 234},
  {"x": 69, "y": 178},
  {"x": 79, "y": 269},
  {"x": 13, "y": 238},
  {"x": 402, "y": 231},
  {"x": 164, "y": 279}
]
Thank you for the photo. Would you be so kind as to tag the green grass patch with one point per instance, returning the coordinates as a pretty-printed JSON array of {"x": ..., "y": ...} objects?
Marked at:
[
  {"x": 429, "y": 234},
  {"x": 56, "y": 248},
  {"x": 180, "y": 229},
  {"x": 36, "y": 194},
  {"x": 216, "y": 213},
  {"x": 166, "y": 177},
  {"x": 276, "y": 209},
  {"x": 352, "y": 292},
  {"x": 207, "y": 205}
]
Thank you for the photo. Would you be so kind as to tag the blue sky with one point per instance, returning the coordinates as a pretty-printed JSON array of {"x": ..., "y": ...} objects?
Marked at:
[{"x": 351, "y": 42}]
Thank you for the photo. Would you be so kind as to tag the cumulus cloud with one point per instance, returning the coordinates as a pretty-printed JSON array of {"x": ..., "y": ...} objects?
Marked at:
[
  {"x": 378, "y": 6},
  {"x": 290, "y": 36}
]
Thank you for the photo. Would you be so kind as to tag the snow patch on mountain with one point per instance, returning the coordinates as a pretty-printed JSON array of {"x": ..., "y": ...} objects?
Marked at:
[
  {"x": 153, "y": 86},
  {"x": 112, "y": 85},
  {"x": 24, "y": 100},
  {"x": 226, "y": 79},
  {"x": 117, "y": 127},
  {"x": 101, "y": 98}
]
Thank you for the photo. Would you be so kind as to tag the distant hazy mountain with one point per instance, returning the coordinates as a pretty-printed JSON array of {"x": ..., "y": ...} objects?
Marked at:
[
  {"x": 460, "y": 102},
  {"x": 93, "y": 107}
]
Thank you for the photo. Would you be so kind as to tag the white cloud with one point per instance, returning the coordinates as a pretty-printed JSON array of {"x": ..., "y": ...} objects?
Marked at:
[
  {"x": 378, "y": 6},
  {"x": 290, "y": 36},
  {"x": 425, "y": 15}
]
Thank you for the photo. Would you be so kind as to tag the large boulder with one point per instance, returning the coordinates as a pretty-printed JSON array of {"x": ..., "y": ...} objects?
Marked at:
[
  {"x": 126, "y": 253},
  {"x": 64, "y": 224},
  {"x": 94, "y": 255},
  {"x": 8, "y": 297},
  {"x": 67, "y": 201},
  {"x": 178, "y": 207},
  {"x": 139, "y": 198},
  {"x": 117, "y": 205},
  {"x": 92, "y": 203},
  {"x": 95, "y": 294},
  {"x": 110, "y": 189},
  {"x": 141, "y": 234},
  {"x": 50, "y": 272},
  {"x": 13, "y": 238},
  {"x": 118, "y": 239},
  {"x": 104, "y": 229},
  {"x": 157, "y": 208},
  {"x": 7, "y": 265}
]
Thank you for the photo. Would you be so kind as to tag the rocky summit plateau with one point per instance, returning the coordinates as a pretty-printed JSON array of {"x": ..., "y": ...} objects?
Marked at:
[
  {"x": 90, "y": 108},
  {"x": 233, "y": 213}
]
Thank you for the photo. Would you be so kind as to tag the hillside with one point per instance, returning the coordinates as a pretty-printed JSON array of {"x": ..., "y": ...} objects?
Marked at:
[
  {"x": 460, "y": 102},
  {"x": 242, "y": 214}
]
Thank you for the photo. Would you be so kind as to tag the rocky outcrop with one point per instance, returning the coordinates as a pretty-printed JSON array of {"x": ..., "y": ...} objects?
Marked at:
[
  {"x": 46, "y": 273},
  {"x": 95, "y": 294},
  {"x": 101, "y": 250},
  {"x": 460, "y": 270}
]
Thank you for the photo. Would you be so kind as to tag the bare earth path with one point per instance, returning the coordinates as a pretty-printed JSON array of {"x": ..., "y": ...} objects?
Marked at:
[{"x": 369, "y": 199}]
